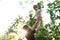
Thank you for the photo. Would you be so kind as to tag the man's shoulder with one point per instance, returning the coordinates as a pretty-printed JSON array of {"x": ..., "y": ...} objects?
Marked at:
[{"x": 33, "y": 30}]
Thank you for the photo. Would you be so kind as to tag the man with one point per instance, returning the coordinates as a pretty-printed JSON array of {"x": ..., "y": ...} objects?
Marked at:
[{"x": 30, "y": 33}]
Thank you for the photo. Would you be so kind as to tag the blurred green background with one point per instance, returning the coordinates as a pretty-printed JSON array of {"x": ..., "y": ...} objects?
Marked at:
[{"x": 50, "y": 31}]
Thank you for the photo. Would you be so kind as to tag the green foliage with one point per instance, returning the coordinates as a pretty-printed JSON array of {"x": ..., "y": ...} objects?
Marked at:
[
  {"x": 15, "y": 24},
  {"x": 47, "y": 32},
  {"x": 53, "y": 8},
  {"x": 31, "y": 20},
  {"x": 40, "y": 5},
  {"x": 42, "y": 34}
]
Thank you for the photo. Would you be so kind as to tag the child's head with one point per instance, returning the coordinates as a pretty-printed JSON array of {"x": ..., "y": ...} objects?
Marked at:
[{"x": 35, "y": 7}]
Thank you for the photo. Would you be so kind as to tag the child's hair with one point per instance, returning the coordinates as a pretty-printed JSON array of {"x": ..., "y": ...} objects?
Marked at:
[
  {"x": 35, "y": 6},
  {"x": 25, "y": 26}
]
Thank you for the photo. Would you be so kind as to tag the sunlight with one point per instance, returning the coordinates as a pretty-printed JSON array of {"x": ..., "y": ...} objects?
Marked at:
[{"x": 21, "y": 33}]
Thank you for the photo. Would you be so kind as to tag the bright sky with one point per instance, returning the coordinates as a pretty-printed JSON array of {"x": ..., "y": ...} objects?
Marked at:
[{"x": 10, "y": 9}]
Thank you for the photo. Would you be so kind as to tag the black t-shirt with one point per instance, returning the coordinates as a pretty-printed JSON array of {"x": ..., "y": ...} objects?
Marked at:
[{"x": 30, "y": 34}]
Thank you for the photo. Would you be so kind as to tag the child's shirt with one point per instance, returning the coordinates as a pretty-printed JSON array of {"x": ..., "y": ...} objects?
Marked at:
[{"x": 38, "y": 14}]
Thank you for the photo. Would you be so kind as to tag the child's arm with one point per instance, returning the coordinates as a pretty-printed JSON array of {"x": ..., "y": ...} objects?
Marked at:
[{"x": 34, "y": 16}]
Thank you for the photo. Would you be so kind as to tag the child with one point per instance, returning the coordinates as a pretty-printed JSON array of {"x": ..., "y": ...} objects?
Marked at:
[{"x": 37, "y": 16}]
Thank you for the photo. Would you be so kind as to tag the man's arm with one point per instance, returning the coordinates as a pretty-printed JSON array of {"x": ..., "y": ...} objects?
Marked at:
[{"x": 34, "y": 26}]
